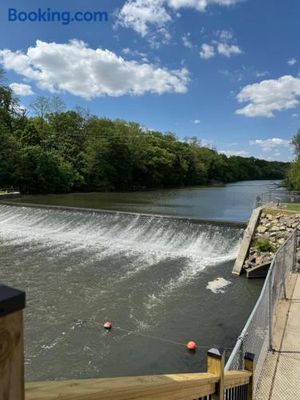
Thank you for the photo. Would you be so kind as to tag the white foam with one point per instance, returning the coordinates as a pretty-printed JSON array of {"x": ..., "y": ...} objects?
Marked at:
[
  {"x": 218, "y": 285},
  {"x": 140, "y": 242}
]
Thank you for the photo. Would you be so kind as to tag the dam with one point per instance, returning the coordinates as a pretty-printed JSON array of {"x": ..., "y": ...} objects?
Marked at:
[{"x": 162, "y": 281}]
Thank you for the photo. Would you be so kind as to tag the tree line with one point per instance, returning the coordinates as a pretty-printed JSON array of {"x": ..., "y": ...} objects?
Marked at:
[
  {"x": 293, "y": 175},
  {"x": 59, "y": 151}
]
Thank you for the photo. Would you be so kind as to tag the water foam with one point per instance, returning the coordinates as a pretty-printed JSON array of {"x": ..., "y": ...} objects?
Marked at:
[
  {"x": 141, "y": 243},
  {"x": 218, "y": 285}
]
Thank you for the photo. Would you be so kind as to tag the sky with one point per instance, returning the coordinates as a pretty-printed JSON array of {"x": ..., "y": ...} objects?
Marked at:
[{"x": 225, "y": 71}]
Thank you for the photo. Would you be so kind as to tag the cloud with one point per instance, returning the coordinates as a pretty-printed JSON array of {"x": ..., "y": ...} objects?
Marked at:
[
  {"x": 223, "y": 45},
  {"x": 240, "y": 153},
  {"x": 271, "y": 144},
  {"x": 82, "y": 71},
  {"x": 196, "y": 121},
  {"x": 21, "y": 89},
  {"x": 207, "y": 51},
  {"x": 292, "y": 61},
  {"x": 200, "y": 5},
  {"x": 140, "y": 14},
  {"x": 268, "y": 96},
  {"x": 143, "y": 15},
  {"x": 228, "y": 50},
  {"x": 186, "y": 40},
  {"x": 259, "y": 74}
]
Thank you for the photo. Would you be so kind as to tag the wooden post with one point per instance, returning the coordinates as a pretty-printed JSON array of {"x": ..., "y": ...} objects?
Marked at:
[
  {"x": 215, "y": 366},
  {"x": 12, "y": 302},
  {"x": 249, "y": 366}
]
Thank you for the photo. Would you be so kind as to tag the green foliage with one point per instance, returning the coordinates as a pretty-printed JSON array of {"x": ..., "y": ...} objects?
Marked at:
[
  {"x": 63, "y": 151},
  {"x": 293, "y": 176},
  {"x": 264, "y": 245}
]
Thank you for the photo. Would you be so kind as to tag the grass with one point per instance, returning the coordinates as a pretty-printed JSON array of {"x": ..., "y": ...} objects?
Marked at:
[
  {"x": 293, "y": 207},
  {"x": 285, "y": 208}
]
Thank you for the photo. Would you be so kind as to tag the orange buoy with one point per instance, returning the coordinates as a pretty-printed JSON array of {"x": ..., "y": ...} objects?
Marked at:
[
  {"x": 107, "y": 325},
  {"x": 192, "y": 346}
]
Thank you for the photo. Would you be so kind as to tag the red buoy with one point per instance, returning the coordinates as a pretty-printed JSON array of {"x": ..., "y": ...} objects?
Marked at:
[
  {"x": 107, "y": 325},
  {"x": 192, "y": 346}
]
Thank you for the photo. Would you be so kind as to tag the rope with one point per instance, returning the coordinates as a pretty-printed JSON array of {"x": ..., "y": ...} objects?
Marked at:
[{"x": 163, "y": 339}]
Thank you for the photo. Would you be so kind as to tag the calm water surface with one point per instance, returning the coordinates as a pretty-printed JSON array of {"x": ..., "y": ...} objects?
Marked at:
[{"x": 230, "y": 202}]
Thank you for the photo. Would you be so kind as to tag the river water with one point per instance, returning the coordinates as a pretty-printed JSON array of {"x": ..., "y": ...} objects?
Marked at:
[
  {"x": 161, "y": 281},
  {"x": 230, "y": 202}
]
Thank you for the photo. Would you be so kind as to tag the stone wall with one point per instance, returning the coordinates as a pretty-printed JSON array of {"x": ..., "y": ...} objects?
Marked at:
[{"x": 274, "y": 226}]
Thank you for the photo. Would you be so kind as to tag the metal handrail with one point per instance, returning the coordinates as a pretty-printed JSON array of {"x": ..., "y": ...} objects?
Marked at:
[{"x": 244, "y": 332}]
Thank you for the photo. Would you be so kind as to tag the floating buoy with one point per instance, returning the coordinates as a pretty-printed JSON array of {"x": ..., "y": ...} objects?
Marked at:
[
  {"x": 192, "y": 346},
  {"x": 107, "y": 325}
]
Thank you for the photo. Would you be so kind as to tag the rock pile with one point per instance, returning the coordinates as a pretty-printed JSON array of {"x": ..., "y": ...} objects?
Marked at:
[{"x": 274, "y": 227}]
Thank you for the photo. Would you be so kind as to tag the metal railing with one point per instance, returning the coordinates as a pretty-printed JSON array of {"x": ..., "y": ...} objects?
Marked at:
[
  {"x": 278, "y": 197},
  {"x": 256, "y": 337}
]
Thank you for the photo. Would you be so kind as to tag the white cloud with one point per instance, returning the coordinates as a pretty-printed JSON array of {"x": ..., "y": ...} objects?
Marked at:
[
  {"x": 270, "y": 144},
  {"x": 228, "y": 50},
  {"x": 200, "y": 5},
  {"x": 292, "y": 61},
  {"x": 82, "y": 71},
  {"x": 141, "y": 15},
  {"x": 135, "y": 53},
  {"x": 240, "y": 153},
  {"x": 186, "y": 40},
  {"x": 21, "y": 89},
  {"x": 295, "y": 115},
  {"x": 207, "y": 51},
  {"x": 259, "y": 74},
  {"x": 224, "y": 45},
  {"x": 268, "y": 96},
  {"x": 196, "y": 121}
]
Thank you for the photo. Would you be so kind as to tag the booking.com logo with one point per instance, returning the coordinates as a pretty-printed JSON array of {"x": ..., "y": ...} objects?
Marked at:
[{"x": 64, "y": 17}]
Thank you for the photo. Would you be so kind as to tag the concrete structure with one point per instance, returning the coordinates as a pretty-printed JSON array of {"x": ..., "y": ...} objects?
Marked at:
[
  {"x": 280, "y": 378},
  {"x": 249, "y": 232}
]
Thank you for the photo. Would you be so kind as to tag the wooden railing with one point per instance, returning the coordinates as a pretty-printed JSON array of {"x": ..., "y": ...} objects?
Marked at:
[{"x": 215, "y": 384}]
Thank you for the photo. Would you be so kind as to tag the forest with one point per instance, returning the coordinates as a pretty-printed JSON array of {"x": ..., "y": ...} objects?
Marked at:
[
  {"x": 293, "y": 175},
  {"x": 55, "y": 150}
]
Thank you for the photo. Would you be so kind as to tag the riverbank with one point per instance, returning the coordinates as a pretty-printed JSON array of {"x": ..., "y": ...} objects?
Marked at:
[{"x": 9, "y": 195}]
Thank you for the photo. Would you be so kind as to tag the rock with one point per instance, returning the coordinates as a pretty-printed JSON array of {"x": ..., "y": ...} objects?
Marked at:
[
  {"x": 262, "y": 229},
  {"x": 274, "y": 228}
]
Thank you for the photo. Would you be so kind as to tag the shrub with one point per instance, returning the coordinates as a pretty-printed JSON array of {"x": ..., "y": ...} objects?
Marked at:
[{"x": 264, "y": 245}]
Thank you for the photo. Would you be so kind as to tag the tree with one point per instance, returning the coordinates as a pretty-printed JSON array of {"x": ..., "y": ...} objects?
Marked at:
[
  {"x": 293, "y": 176},
  {"x": 45, "y": 172},
  {"x": 41, "y": 106}
]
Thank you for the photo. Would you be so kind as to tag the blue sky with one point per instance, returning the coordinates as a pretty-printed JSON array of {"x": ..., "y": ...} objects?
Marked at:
[{"x": 226, "y": 71}]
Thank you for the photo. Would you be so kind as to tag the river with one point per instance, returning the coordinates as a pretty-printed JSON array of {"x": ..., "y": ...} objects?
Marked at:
[{"x": 161, "y": 281}]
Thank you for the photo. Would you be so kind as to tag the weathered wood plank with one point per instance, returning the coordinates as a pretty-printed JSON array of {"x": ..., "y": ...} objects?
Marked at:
[{"x": 11, "y": 357}]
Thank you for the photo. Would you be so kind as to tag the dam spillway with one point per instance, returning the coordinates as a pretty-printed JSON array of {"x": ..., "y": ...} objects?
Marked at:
[{"x": 150, "y": 275}]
